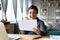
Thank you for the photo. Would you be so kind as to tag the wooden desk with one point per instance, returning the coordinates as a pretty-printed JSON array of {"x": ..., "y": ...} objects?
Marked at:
[{"x": 29, "y": 37}]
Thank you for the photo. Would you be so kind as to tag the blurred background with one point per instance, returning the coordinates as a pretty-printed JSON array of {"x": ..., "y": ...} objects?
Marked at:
[{"x": 48, "y": 11}]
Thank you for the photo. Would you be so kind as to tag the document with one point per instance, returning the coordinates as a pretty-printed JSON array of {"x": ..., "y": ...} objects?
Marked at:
[{"x": 27, "y": 25}]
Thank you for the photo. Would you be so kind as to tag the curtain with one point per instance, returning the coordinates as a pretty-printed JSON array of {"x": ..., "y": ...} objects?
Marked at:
[
  {"x": 22, "y": 8},
  {"x": 4, "y": 8},
  {"x": 0, "y": 11},
  {"x": 10, "y": 12},
  {"x": 19, "y": 11},
  {"x": 15, "y": 9},
  {"x": 29, "y": 3},
  {"x": 26, "y": 4}
]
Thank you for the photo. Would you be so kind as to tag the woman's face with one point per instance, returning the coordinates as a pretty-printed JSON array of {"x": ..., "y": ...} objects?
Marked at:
[{"x": 32, "y": 13}]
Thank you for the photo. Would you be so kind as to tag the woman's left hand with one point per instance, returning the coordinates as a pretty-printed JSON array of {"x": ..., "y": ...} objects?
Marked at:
[{"x": 37, "y": 30}]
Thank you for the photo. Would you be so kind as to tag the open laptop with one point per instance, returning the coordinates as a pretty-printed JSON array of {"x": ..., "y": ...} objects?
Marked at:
[{"x": 4, "y": 35}]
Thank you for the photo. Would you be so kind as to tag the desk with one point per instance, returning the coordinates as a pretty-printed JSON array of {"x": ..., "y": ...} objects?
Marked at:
[{"x": 29, "y": 37}]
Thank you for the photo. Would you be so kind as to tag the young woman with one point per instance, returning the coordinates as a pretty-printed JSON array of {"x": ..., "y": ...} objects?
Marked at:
[{"x": 32, "y": 14}]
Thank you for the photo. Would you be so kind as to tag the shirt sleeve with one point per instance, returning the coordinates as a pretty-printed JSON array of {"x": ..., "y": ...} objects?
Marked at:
[{"x": 42, "y": 28}]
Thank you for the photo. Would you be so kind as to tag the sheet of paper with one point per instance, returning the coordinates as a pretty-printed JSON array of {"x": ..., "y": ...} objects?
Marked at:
[{"x": 27, "y": 24}]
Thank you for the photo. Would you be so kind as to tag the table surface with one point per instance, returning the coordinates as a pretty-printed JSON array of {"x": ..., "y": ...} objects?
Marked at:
[{"x": 28, "y": 37}]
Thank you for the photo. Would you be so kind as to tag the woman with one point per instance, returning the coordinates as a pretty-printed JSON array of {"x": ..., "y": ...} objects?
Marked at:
[{"x": 32, "y": 14}]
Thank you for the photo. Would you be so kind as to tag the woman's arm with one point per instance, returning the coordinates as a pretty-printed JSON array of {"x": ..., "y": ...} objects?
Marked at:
[{"x": 37, "y": 30}]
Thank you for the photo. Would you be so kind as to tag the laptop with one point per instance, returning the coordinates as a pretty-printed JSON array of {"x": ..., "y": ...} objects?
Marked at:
[{"x": 4, "y": 35}]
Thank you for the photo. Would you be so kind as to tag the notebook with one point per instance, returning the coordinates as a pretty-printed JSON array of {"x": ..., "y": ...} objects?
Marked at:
[{"x": 27, "y": 25}]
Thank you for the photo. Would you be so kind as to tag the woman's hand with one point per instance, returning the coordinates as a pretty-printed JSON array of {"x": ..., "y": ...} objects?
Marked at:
[{"x": 37, "y": 30}]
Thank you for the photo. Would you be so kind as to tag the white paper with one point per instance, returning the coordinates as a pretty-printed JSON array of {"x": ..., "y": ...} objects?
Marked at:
[
  {"x": 27, "y": 24},
  {"x": 14, "y": 36}
]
